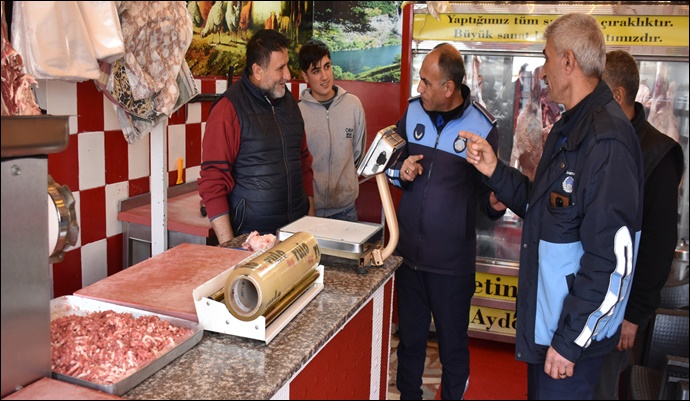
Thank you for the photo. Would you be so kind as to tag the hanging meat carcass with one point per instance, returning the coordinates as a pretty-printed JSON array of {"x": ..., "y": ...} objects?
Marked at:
[
  {"x": 477, "y": 80},
  {"x": 661, "y": 108},
  {"x": 527, "y": 141},
  {"x": 550, "y": 112},
  {"x": 17, "y": 95}
]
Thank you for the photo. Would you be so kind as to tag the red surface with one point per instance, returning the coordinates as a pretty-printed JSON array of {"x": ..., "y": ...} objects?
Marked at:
[
  {"x": 50, "y": 389},
  {"x": 90, "y": 105},
  {"x": 193, "y": 148},
  {"x": 178, "y": 117},
  {"x": 494, "y": 372},
  {"x": 67, "y": 274},
  {"x": 184, "y": 215},
  {"x": 114, "y": 254},
  {"x": 342, "y": 369},
  {"x": 116, "y": 168},
  {"x": 164, "y": 283},
  {"x": 92, "y": 222},
  {"x": 139, "y": 186},
  {"x": 64, "y": 166}
]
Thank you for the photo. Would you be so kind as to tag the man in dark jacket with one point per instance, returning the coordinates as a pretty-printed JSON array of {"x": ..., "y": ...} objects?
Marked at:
[
  {"x": 663, "y": 170},
  {"x": 582, "y": 218},
  {"x": 437, "y": 219},
  {"x": 256, "y": 171}
]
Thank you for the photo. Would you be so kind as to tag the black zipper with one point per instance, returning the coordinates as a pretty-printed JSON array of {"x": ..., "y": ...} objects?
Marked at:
[
  {"x": 285, "y": 163},
  {"x": 426, "y": 187}
]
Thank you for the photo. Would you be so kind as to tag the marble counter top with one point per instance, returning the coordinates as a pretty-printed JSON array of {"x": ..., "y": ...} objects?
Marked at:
[{"x": 227, "y": 367}]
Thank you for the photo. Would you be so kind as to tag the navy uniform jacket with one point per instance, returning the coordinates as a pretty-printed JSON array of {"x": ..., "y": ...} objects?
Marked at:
[
  {"x": 437, "y": 213},
  {"x": 582, "y": 220}
]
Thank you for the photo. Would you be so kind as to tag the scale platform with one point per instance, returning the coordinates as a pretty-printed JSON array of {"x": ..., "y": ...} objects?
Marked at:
[{"x": 344, "y": 239}]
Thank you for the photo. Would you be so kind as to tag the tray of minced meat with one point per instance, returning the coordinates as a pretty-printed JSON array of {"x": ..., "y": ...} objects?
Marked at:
[{"x": 113, "y": 348}]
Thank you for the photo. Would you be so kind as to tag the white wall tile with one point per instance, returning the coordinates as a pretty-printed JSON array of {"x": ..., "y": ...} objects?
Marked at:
[
  {"x": 113, "y": 194},
  {"x": 176, "y": 145},
  {"x": 203, "y": 131},
  {"x": 302, "y": 87},
  {"x": 221, "y": 85},
  {"x": 73, "y": 125},
  {"x": 94, "y": 262},
  {"x": 192, "y": 174},
  {"x": 138, "y": 158},
  {"x": 110, "y": 121},
  {"x": 91, "y": 160},
  {"x": 193, "y": 112},
  {"x": 41, "y": 95},
  {"x": 61, "y": 97}
]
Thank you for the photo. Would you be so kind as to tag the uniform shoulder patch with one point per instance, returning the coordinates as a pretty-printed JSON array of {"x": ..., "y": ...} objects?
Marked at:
[
  {"x": 484, "y": 111},
  {"x": 413, "y": 98}
]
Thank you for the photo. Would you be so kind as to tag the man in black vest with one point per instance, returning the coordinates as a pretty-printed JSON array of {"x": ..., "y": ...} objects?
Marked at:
[
  {"x": 256, "y": 172},
  {"x": 663, "y": 170}
]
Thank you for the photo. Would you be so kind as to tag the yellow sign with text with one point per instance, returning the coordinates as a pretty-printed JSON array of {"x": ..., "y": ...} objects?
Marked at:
[
  {"x": 638, "y": 30},
  {"x": 492, "y": 320},
  {"x": 495, "y": 286}
]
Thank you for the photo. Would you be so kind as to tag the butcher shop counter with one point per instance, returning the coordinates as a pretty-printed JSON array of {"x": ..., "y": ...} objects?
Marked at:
[
  {"x": 186, "y": 224},
  {"x": 337, "y": 347}
]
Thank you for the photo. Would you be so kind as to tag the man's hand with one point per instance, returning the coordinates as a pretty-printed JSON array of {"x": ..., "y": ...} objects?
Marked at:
[
  {"x": 628, "y": 333},
  {"x": 312, "y": 209},
  {"x": 495, "y": 203},
  {"x": 222, "y": 229},
  {"x": 557, "y": 366},
  {"x": 410, "y": 168},
  {"x": 480, "y": 153}
]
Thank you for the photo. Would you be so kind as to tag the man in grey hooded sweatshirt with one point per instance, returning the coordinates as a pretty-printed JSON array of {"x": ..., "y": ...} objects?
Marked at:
[{"x": 336, "y": 134}]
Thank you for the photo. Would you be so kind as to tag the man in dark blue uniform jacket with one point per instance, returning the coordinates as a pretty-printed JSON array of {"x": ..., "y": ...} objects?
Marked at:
[
  {"x": 437, "y": 219},
  {"x": 582, "y": 218}
]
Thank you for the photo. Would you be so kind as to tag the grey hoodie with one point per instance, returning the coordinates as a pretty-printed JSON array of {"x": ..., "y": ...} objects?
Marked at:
[{"x": 336, "y": 138}]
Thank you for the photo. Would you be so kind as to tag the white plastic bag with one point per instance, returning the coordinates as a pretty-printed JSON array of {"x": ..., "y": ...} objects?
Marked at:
[
  {"x": 103, "y": 25},
  {"x": 53, "y": 39}
]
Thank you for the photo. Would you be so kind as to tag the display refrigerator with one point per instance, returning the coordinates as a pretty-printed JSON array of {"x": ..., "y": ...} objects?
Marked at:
[{"x": 502, "y": 46}]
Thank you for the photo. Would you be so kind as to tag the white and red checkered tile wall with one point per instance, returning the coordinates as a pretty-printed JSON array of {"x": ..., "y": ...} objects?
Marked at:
[{"x": 101, "y": 168}]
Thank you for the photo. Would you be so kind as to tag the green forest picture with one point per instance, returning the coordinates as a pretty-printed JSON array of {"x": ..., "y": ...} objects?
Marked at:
[{"x": 364, "y": 36}]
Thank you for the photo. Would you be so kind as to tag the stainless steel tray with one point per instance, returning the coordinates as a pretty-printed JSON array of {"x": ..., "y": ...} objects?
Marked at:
[
  {"x": 344, "y": 239},
  {"x": 73, "y": 305}
]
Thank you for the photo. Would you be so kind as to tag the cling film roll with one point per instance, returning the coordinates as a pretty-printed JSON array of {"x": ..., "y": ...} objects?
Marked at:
[{"x": 253, "y": 287}]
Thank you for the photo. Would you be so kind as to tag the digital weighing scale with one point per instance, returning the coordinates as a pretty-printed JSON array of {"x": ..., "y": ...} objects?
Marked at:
[{"x": 358, "y": 240}]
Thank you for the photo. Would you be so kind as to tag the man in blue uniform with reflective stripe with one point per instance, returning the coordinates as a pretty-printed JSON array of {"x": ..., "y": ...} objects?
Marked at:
[
  {"x": 582, "y": 219},
  {"x": 437, "y": 218}
]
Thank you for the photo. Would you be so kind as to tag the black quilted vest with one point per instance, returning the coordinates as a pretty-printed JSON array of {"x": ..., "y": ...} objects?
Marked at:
[{"x": 268, "y": 192}]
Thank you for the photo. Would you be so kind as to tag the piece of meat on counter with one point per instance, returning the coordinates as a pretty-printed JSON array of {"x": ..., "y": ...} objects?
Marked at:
[
  {"x": 256, "y": 242},
  {"x": 104, "y": 347}
]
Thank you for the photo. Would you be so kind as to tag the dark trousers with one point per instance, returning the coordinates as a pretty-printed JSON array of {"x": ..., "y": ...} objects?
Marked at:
[
  {"x": 420, "y": 295},
  {"x": 580, "y": 386},
  {"x": 615, "y": 364}
]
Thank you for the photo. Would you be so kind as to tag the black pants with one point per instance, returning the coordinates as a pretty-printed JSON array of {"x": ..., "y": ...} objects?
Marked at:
[
  {"x": 420, "y": 295},
  {"x": 579, "y": 386}
]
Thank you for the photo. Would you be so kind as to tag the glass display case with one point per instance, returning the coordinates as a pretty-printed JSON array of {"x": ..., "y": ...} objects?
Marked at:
[{"x": 502, "y": 49}]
